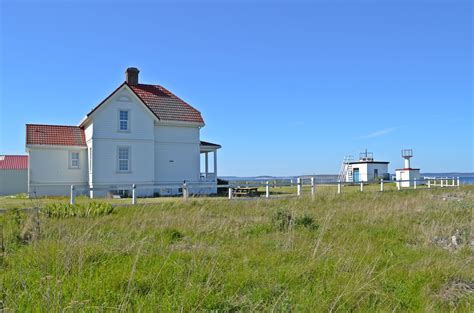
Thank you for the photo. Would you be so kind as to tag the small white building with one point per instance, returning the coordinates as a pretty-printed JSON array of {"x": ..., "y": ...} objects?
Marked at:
[
  {"x": 407, "y": 175},
  {"x": 366, "y": 169},
  {"x": 13, "y": 174},
  {"x": 139, "y": 134}
]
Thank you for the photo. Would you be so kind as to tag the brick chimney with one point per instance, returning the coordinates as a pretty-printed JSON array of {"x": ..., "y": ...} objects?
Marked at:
[{"x": 131, "y": 75}]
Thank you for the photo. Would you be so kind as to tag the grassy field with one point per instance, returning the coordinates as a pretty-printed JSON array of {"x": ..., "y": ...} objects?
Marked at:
[{"x": 369, "y": 251}]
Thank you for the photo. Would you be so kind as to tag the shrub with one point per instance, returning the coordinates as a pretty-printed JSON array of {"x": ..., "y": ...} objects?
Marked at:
[
  {"x": 306, "y": 221},
  {"x": 59, "y": 210},
  {"x": 283, "y": 220}
]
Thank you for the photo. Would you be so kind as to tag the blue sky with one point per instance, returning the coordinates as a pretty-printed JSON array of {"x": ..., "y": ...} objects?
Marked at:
[{"x": 286, "y": 88}]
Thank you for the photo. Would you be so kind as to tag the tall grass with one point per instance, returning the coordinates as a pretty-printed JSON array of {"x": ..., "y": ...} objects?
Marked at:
[{"x": 389, "y": 251}]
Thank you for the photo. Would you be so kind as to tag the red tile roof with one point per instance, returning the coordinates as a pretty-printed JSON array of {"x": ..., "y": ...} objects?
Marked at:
[
  {"x": 55, "y": 135},
  {"x": 165, "y": 105},
  {"x": 13, "y": 162}
]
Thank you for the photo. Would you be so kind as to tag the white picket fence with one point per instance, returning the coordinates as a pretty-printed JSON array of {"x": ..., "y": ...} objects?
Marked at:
[
  {"x": 442, "y": 181},
  {"x": 189, "y": 189}
]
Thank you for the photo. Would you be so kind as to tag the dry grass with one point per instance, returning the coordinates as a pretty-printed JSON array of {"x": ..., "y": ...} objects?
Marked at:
[{"x": 353, "y": 252}]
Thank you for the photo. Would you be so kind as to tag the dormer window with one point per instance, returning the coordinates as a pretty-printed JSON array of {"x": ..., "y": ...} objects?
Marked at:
[{"x": 124, "y": 123}]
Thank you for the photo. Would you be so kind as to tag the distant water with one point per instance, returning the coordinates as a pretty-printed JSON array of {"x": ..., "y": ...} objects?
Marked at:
[{"x": 464, "y": 178}]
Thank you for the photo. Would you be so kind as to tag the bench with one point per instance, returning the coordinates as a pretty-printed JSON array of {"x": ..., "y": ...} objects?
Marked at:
[{"x": 246, "y": 192}]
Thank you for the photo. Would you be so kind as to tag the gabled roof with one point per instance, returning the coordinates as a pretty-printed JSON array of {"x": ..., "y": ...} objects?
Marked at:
[
  {"x": 162, "y": 103},
  {"x": 58, "y": 135},
  {"x": 13, "y": 162}
]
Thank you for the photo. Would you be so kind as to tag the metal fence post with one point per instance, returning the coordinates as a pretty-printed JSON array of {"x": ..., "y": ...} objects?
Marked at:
[
  {"x": 381, "y": 185},
  {"x": 298, "y": 186},
  {"x": 429, "y": 183},
  {"x": 313, "y": 187},
  {"x": 134, "y": 194},
  {"x": 414, "y": 183},
  {"x": 73, "y": 195},
  {"x": 230, "y": 193},
  {"x": 361, "y": 186},
  {"x": 267, "y": 190},
  {"x": 458, "y": 181},
  {"x": 338, "y": 187}
]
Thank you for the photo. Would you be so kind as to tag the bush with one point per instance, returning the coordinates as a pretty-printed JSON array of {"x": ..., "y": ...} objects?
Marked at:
[
  {"x": 59, "y": 210},
  {"x": 283, "y": 220},
  {"x": 306, "y": 221}
]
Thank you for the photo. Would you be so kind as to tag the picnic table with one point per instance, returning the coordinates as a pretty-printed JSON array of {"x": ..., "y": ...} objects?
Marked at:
[{"x": 246, "y": 191}]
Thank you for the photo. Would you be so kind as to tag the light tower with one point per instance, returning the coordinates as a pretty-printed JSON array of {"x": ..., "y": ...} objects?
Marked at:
[
  {"x": 407, "y": 176},
  {"x": 407, "y": 154}
]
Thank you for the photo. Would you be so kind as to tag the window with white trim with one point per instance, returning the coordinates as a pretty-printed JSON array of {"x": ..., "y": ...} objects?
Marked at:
[
  {"x": 123, "y": 120},
  {"x": 123, "y": 159},
  {"x": 74, "y": 159}
]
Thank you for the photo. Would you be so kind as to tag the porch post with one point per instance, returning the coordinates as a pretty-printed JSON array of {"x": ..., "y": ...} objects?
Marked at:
[
  {"x": 206, "y": 156},
  {"x": 215, "y": 164}
]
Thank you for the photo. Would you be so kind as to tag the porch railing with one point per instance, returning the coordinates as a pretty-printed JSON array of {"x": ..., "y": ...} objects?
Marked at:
[{"x": 209, "y": 177}]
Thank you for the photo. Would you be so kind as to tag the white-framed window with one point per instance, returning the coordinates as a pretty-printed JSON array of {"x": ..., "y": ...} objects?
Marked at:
[
  {"x": 123, "y": 159},
  {"x": 73, "y": 159},
  {"x": 124, "y": 120}
]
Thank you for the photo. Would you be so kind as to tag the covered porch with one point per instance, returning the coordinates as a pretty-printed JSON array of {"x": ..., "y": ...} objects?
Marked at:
[{"x": 206, "y": 149}]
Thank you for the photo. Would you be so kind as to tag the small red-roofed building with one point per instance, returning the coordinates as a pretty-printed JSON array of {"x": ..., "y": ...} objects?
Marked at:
[
  {"x": 13, "y": 174},
  {"x": 140, "y": 134}
]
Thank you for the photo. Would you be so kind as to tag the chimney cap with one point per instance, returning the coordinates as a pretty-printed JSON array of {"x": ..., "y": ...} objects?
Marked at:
[{"x": 132, "y": 69}]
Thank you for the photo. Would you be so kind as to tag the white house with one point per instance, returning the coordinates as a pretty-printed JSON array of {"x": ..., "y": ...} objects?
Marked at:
[
  {"x": 366, "y": 169},
  {"x": 140, "y": 134},
  {"x": 13, "y": 174}
]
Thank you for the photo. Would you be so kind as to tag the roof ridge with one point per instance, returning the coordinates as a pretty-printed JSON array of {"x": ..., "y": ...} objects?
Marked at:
[{"x": 53, "y": 125}]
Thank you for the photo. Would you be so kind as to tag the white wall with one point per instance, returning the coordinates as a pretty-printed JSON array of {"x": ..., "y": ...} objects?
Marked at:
[
  {"x": 106, "y": 118},
  {"x": 13, "y": 182},
  {"x": 106, "y": 162},
  {"x": 88, "y": 131},
  {"x": 50, "y": 173},
  {"x": 106, "y": 138},
  {"x": 366, "y": 170},
  {"x": 408, "y": 175},
  {"x": 177, "y": 153},
  {"x": 382, "y": 170}
]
